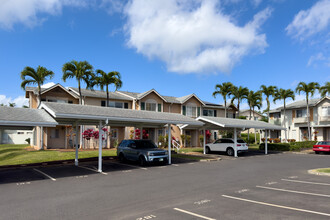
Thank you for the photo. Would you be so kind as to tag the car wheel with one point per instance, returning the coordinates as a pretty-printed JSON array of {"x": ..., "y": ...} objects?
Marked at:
[
  {"x": 230, "y": 151},
  {"x": 207, "y": 150},
  {"x": 122, "y": 157},
  {"x": 317, "y": 152},
  {"x": 142, "y": 161}
]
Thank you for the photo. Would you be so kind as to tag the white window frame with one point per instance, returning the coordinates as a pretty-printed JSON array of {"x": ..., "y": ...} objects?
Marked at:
[
  {"x": 303, "y": 113},
  {"x": 149, "y": 104},
  {"x": 325, "y": 111}
]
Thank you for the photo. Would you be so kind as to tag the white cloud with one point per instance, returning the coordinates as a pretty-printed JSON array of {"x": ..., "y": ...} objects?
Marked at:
[
  {"x": 317, "y": 58},
  {"x": 192, "y": 37},
  {"x": 47, "y": 85},
  {"x": 32, "y": 12},
  {"x": 19, "y": 101},
  {"x": 311, "y": 21},
  {"x": 256, "y": 3}
]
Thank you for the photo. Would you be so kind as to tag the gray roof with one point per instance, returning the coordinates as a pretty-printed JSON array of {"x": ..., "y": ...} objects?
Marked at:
[
  {"x": 42, "y": 90},
  {"x": 25, "y": 117},
  {"x": 298, "y": 104},
  {"x": 100, "y": 94},
  {"x": 213, "y": 105},
  {"x": 124, "y": 117},
  {"x": 132, "y": 94},
  {"x": 219, "y": 122}
]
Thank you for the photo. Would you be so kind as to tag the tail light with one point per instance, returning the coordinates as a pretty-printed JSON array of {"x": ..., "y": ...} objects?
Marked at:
[{"x": 238, "y": 145}]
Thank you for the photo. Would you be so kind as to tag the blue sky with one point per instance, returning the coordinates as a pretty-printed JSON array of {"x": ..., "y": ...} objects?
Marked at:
[{"x": 177, "y": 47}]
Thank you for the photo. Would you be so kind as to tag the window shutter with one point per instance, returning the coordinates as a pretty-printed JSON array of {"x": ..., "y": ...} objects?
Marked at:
[
  {"x": 184, "y": 110},
  {"x": 126, "y": 105},
  {"x": 159, "y": 107},
  {"x": 204, "y": 112},
  {"x": 198, "y": 111},
  {"x": 143, "y": 105},
  {"x": 103, "y": 103},
  {"x": 215, "y": 113}
]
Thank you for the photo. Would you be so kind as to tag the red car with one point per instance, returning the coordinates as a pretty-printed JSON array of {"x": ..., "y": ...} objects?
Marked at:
[{"x": 321, "y": 146}]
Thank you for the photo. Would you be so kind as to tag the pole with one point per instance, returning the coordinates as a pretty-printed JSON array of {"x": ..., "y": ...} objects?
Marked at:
[
  {"x": 100, "y": 147},
  {"x": 76, "y": 159},
  {"x": 266, "y": 142},
  {"x": 42, "y": 137},
  {"x": 169, "y": 144},
  {"x": 235, "y": 141},
  {"x": 204, "y": 141}
]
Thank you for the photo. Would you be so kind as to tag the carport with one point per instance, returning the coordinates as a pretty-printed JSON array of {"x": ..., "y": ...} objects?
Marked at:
[
  {"x": 232, "y": 124},
  {"x": 75, "y": 115},
  {"x": 25, "y": 119}
]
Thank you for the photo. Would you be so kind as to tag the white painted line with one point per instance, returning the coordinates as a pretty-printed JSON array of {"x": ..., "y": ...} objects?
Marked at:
[
  {"x": 277, "y": 206},
  {"x": 300, "y": 181},
  {"x": 292, "y": 191},
  {"x": 191, "y": 163},
  {"x": 194, "y": 214},
  {"x": 142, "y": 168},
  {"x": 87, "y": 168},
  {"x": 46, "y": 175},
  {"x": 127, "y": 171},
  {"x": 176, "y": 165}
]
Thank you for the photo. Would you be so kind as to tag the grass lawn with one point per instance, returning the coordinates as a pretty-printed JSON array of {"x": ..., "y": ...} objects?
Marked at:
[
  {"x": 253, "y": 146},
  {"x": 190, "y": 149},
  {"x": 190, "y": 157},
  {"x": 323, "y": 170},
  {"x": 22, "y": 154}
]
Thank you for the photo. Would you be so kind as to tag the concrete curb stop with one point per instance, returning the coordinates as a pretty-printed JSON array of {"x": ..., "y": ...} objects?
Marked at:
[{"x": 315, "y": 172}]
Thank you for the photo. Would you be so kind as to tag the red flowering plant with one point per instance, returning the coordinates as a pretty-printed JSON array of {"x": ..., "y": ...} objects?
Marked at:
[
  {"x": 88, "y": 134},
  {"x": 145, "y": 135}
]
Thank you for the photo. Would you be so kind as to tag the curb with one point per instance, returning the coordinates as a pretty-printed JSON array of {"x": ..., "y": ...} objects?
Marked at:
[{"x": 315, "y": 172}]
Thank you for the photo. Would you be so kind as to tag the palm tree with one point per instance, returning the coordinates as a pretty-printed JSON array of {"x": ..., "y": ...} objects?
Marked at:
[
  {"x": 106, "y": 79},
  {"x": 35, "y": 76},
  {"x": 224, "y": 90},
  {"x": 309, "y": 88},
  {"x": 82, "y": 71},
  {"x": 268, "y": 91},
  {"x": 254, "y": 100},
  {"x": 284, "y": 94},
  {"x": 324, "y": 90},
  {"x": 239, "y": 94}
]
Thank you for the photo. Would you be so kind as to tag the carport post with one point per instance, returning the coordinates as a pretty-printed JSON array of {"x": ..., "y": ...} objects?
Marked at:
[
  {"x": 76, "y": 159},
  {"x": 235, "y": 142},
  {"x": 204, "y": 141},
  {"x": 42, "y": 137},
  {"x": 100, "y": 147},
  {"x": 141, "y": 133},
  {"x": 169, "y": 143},
  {"x": 266, "y": 140}
]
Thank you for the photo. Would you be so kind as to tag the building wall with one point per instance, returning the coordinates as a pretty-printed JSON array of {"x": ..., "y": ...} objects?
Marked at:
[{"x": 15, "y": 136}]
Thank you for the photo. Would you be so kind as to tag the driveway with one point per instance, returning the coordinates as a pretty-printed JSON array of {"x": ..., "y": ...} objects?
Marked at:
[{"x": 275, "y": 186}]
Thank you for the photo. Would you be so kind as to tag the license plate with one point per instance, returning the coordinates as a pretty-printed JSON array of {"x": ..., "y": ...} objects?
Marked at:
[
  {"x": 161, "y": 159},
  {"x": 320, "y": 147}
]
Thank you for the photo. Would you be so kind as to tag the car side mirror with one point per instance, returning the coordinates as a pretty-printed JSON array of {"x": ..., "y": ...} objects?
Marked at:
[{"x": 132, "y": 146}]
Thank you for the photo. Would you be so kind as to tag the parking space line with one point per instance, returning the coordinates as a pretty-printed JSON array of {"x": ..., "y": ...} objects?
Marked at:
[
  {"x": 193, "y": 214},
  {"x": 292, "y": 191},
  {"x": 142, "y": 168},
  {"x": 46, "y": 175},
  {"x": 87, "y": 168},
  {"x": 300, "y": 181},
  {"x": 277, "y": 206}
]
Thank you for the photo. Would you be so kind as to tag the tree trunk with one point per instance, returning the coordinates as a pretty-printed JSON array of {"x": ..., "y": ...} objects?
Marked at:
[
  {"x": 237, "y": 116},
  {"x": 308, "y": 122},
  {"x": 107, "y": 97},
  {"x": 80, "y": 99},
  {"x": 249, "y": 128},
  {"x": 255, "y": 134},
  {"x": 268, "y": 107},
  {"x": 39, "y": 95},
  {"x": 286, "y": 131},
  {"x": 225, "y": 107}
]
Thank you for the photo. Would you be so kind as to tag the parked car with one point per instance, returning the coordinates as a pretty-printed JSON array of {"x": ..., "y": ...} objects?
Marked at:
[
  {"x": 227, "y": 145},
  {"x": 321, "y": 146},
  {"x": 143, "y": 151}
]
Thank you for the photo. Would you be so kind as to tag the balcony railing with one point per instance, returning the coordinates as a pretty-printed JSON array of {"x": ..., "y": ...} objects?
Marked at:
[
  {"x": 324, "y": 118},
  {"x": 275, "y": 121},
  {"x": 300, "y": 120}
]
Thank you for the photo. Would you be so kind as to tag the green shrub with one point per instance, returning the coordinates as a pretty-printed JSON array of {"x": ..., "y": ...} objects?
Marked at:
[
  {"x": 303, "y": 144},
  {"x": 275, "y": 147},
  {"x": 244, "y": 136},
  {"x": 28, "y": 140}
]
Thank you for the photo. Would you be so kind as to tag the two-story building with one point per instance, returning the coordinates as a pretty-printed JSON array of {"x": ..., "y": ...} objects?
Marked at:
[
  {"x": 296, "y": 120},
  {"x": 190, "y": 105}
]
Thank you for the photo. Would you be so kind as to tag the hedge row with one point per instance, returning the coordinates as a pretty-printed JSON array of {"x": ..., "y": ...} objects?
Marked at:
[{"x": 293, "y": 146}]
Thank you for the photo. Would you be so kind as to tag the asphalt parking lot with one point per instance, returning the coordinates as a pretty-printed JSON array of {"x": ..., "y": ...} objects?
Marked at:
[{"x": 276, "y": 186}]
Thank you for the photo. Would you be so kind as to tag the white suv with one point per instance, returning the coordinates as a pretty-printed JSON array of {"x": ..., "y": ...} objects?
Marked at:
[{"x": 227, "y": 145}]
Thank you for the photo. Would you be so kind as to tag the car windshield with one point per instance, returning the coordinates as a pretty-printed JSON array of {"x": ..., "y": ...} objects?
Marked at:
[
  {"x": 240, "y": 141},
  {"x": 144, "y": 145},
  {"x": 323, "y": 143}
]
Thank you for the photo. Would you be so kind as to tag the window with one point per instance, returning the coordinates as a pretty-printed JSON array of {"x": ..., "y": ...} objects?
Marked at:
[
  {"x": 211, "y": 113},
  {"x": 191, "y": 111},
  {"x": 55, "y": 133},
  {"x": 114, "y": 133},
  {"x": 301, "y": 113},
  {"x": 325, "y": 111},
  {"x": 113, "y": 104},
  {"x": 151, "y": 106},
  {"x": 126, "y": 105},
  {"x": 20, "y": 132}
]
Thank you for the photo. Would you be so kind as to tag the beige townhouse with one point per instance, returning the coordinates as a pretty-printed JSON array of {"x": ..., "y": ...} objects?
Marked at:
[{"x": 63, "y": 136}]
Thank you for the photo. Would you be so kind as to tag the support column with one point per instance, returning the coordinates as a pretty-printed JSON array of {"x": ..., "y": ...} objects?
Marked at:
[
  {"x": 169, "y": 144},
  {"x": 41, "y": 137},
  {"x": 266, "y": 142},
  {"x": 100, "y": 147},
  {"x": 235, "y": 142},
  {"x": 76, "y": 159},
  {"x": 66, "y": 137},
  {"x": 141, "y": 133},
  {"x": 204, "y": 141}
]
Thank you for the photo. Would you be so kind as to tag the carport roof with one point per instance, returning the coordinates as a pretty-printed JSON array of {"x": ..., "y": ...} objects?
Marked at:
[
  {"x": 23, "y": 117},
  {"x": 219, "y": 122},
  {"x": 87, "y": 114}
]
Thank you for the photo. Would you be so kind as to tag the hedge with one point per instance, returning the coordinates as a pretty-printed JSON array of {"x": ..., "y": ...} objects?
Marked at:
[{"x": 293, "y": 146}]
